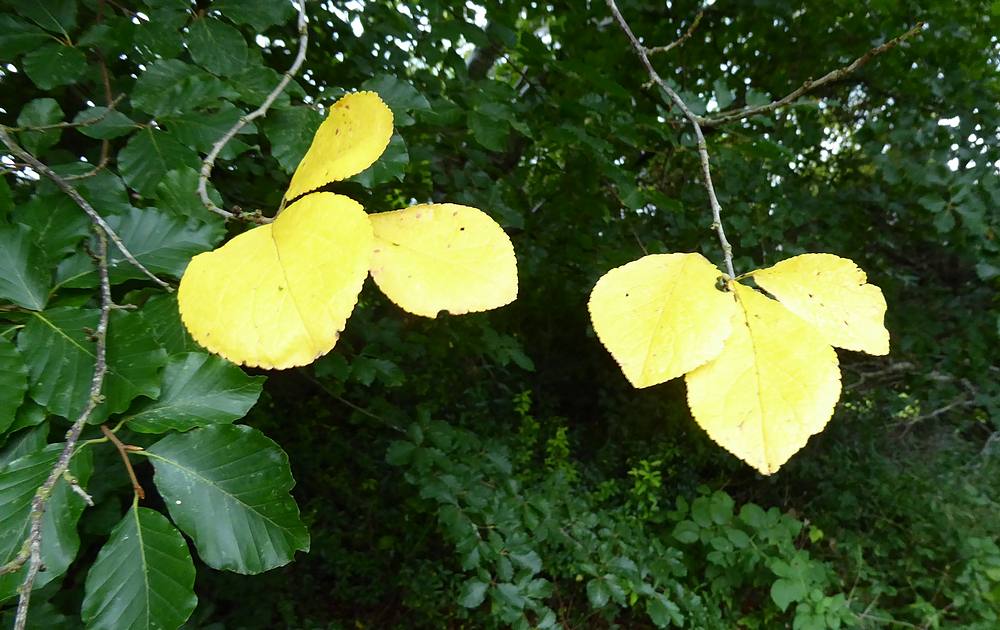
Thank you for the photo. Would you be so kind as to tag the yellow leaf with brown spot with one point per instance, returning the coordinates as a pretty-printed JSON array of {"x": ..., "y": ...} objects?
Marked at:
[
  {"x": 350, "y": 140},
  {"x": 774, "y": 385},
  {"x": 832, "y": 294},
  {"x": 278, "y": 295},
  {"x": 661, "y": 316},
  {"x": 443, "y": 257}
]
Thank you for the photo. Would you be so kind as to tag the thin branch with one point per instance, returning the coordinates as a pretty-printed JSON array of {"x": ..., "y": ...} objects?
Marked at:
[
  {"x": 109, "y": 99},
  {"x": 209, "y": 162},
  {"x": 706, "y": 170},
  {"x": 680, "y": 41},
  {"x": 31, "y": 551},
  {"x": 68, "y": 124},
  {"x": 829, "y": 77},
  {"x": 123, "y": 450},
  {"x": 67, "y": 188}
]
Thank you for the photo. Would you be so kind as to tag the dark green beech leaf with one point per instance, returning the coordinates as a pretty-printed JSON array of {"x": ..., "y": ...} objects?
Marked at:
[
  {"x": 198, "y": 390},
  {"x": 259, "y": 14},
  {"x": 171, "y": 85},
  {"x": 52, "y": 65},
  {"x": 13, "y": 383},
  {"x": 57, "y": 224},
  {"x": 401, "y": 97},
  {"x": 164, "y": 322},
  {"x": 149, "y": 155},
  {"x": 143, "y": 577},
  {"x": 39, "y": 113},
  {"x": 103, "y": 123},
  {"x": 200, "y": 130},
  {"x": 56, "y": 16},
  {"x": 217, "y": 46},
  {"x": 24, "y": 442},
  {"x": 227, "y": 487},
  {"x": 25, "y": 279},
  {"x": 18, "y": 482},
  {"x": 59, "y": 351},
  {"x": 290, "y": 132},
  {"x": 18, "y": 36}
]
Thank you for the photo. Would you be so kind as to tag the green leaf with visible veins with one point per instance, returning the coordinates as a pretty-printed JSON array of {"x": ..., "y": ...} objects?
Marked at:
[
  {"x": 13, "y": 382},
  {"x": 143, "y": 577},
  {"x": 217, "y": 46},
  {"x": 25, "y": 279},
  {"x": 149, "y": 155},
  {"x": 198, "y": 390},
  {"x": 18, "y": 482},
  {"x": 227, "y": 487}
]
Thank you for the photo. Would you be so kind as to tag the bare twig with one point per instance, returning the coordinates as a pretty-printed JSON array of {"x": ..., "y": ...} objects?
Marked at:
[
  {"x": 706, "y": 171},
  {"x": 680, "y": 41},
  {"x": 31, "y": 552},
  {"x": 833, "y": 75},
  {"x": 68, "y": 124},
  {"x": 209, "y": 162},
  {"x": 109, "y": 99},
  {"x": 74, "y": 485},
  {"x": 123, "y": 450},
  {"x": 73, "y": 194}
]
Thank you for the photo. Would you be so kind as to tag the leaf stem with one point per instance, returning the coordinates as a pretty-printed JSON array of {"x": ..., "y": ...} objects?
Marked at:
[{"x": 123, "y": 450}]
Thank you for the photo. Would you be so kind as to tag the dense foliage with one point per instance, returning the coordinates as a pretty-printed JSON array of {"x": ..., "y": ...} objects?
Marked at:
[{"x": 497, "y": 469}]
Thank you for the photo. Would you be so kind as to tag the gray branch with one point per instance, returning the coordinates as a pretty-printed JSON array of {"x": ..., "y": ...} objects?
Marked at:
[{"x": 209, "y": 163}]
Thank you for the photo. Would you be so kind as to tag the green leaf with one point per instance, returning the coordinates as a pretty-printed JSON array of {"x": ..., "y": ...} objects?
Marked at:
[
  {"x": 110, "y": 123},
  {"x": 149, "y": 155},
  {"x": 785, "y": 591},
  {"x": 57, "y": 224},
  {"x": 57, "y": 16},
  {"x": 598, "y": 593},
  {"x": 663, "y": 612},
  {"x": 198, "y": 390},
  {"x": 143, "y": 577},
  {"x": 13, "y": 383},
  {"x": 25, "y": 279},
  {"x": 18, "y": 482},
  {"x": 216, "y": 46},
  {"x": 52, "y": 65},
  {"x": 24, "y": 442},
  {"x": 259, "y": 14},
  {"x": 59, "y": 353},
  {"x": 401, "y": 97},
  {"x": 724, "y": 97},
  {"x": 200, "y": 130},
  {"x": 687, "y": 532},
  {"x": 39, "y": 113},
  {"x": 473, "y": 593},
  {"x": 6, "y": 199},
  {"x": 18, "y": 36},
  {"x": 290, "y": 132},
  {"x": 162, "y": 243},
  {"x": 178, "y": 195},
  {"x": 162, "y": 318},
  {"x": 488, "y": 131},
  {"x": 391, "y": 165},
  {"x": 171, "y": 85},
  {"x": 227, "y": 487}
]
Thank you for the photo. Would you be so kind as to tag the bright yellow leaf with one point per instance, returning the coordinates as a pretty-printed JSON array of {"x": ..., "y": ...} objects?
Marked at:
[
  {"x": 278, "y": 295},
  {"x": 832, "y": 294},
  {"x": 661, "y": 316},
  {"x": 443, "y": 257},
  {"x": 775, "y": 383},
  {"x": 352, "y": 137}
]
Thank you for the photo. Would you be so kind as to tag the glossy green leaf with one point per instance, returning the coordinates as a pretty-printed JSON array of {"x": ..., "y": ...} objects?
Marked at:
[
  {"x": 149, "y": 155},
  {"x": 103, "y": 123},
  {"x": 401, "y": 97},
  {"x": 170, "y": 85},
  {"x": 473, "y": 593},
  {"x": 52, "y": 65},
  {"x": 226, "y": 487},
  {"x": 56, "y": 16},
  {"x": 217, "y": 46},
  {"x": 201, "y": 130},
  {"x": 290, "y": 132},
  {"x": 177, "y": 194},
  {"x": 163, "y": 320},
  {"x": 25, "y": 279},
  {"x": 40, "y": 112},
  {"x": 19, "y": 36},
  {"x": 143, "y": 577},
  {"x": 13, "y": 382},
  {"x": 259, "y": 14},
  {"x": 598, "y": 593},
  {"x": 162, "y": 243},
  {"x": 59, "y": 352},
  {"x": 23, "y": 442},
  {"x": 57, "y": 224},
  {"x": 198, "y": 390},
  {"x": 18, "y": 482}
]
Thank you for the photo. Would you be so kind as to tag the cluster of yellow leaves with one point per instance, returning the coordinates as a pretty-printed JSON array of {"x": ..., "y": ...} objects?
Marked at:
[
  {"x": 278, "y": 295},
  {"x": 761, "y": 374}
]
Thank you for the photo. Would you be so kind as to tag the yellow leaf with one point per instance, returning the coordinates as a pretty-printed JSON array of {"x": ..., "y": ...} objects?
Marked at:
[
  {"x": 352, "y": 137},
  {"x": 774, "y": 385},
  {"x": 832, "y": 294},
  {"x": 661, "y": 316},
  {"x": 443, "y": 257},
  {"x": 278, "y": 295}
]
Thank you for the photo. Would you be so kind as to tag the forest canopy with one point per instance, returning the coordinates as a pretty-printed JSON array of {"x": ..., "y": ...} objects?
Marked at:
[{"x": 680, "y": 314}]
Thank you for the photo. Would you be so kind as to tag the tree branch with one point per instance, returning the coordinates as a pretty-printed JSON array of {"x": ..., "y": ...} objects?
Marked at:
[
  {"x": 829, "y": 77},
  {"x": 31, "y": 552},
  {"x": 67, "y": 188},
  {"x": 706, "y": 170},
  {"x": 213, "y": 154},
  {"x": 680, "y": 41}
]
